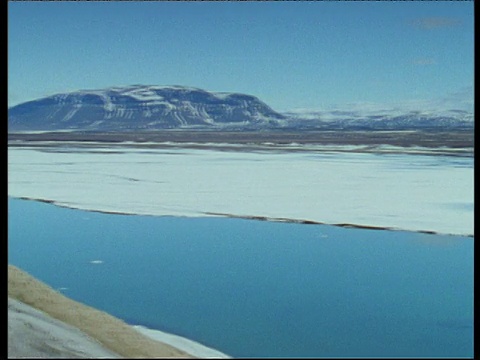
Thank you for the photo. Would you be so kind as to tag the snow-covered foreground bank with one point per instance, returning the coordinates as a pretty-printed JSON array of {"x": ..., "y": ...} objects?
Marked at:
[
  {"x": 403, "y": 191},
  {"x": 54, "y": 326}
]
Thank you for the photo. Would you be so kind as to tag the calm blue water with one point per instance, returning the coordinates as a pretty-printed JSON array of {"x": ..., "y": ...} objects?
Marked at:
[{"x": 258, "y": 289}]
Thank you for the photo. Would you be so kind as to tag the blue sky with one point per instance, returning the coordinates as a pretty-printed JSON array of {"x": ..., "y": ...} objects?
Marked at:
[{"x": 290, "y": 54}]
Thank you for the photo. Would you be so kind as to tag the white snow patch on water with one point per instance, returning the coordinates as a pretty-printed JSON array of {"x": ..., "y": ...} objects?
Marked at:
[{"x": 411, "y": 192}]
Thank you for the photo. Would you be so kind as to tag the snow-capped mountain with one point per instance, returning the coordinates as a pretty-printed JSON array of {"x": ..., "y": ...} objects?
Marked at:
[
  {"x": 405, "y": 119},
  {"x": 140, "y": 107}
]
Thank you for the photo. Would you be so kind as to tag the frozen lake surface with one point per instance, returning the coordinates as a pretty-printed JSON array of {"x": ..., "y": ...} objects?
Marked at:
[
  {"x": 250, "y": 288},
  {"x": 402, "y": 191}
]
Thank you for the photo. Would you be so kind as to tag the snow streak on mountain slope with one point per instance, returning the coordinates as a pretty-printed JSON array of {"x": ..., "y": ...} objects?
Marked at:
[{"x": 142, "y": 107}]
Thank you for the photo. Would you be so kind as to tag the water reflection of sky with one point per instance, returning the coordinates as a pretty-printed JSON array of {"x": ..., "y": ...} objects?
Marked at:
[{"x": 316, "y": 290}]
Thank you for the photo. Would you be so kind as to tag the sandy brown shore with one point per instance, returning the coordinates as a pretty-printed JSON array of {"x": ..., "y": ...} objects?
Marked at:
[{"x": 114, "y": 335}]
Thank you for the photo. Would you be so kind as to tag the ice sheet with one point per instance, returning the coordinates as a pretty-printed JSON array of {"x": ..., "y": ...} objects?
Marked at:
[{"x": 404, "y": 191}]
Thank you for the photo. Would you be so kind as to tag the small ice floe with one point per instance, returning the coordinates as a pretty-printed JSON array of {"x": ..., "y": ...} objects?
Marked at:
[{"x": 96, "y": 262}]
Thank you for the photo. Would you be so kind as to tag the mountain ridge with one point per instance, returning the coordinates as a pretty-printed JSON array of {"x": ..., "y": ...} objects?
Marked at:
[
  {"x": 141, "y": 107},
  {"x": 158, "y": 107}
]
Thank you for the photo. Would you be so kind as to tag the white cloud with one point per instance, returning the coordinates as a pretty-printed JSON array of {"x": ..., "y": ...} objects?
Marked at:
[
  {"x": 462, "y": 99},
  {"x": 424, "y": 61},
  {"x": 431, "y": 23}
]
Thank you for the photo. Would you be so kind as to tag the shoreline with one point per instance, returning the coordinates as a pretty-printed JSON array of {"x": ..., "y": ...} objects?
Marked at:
[
  {"x": 430, "y": 138},
  {"x": 34, "y": 334},
  {"x": 111, "y": 333},
  {"x": 268, "y": 147},
  {"x": 247, "y": 217},
  {"x": 189, "y": 346}
]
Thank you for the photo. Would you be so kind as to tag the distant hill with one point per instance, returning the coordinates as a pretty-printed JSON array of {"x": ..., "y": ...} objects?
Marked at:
[
  {"x": 382, "y": 120},
  {"x": 140, "y": 107}
]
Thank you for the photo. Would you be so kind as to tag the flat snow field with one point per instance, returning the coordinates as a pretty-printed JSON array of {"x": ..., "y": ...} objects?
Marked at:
[{"x": 417, "y": 192}]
